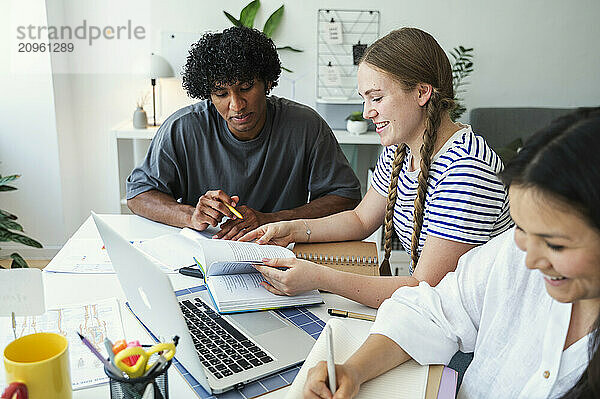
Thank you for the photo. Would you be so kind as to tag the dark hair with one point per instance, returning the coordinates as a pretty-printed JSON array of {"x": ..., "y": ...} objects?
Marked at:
[
  {"x": 412, "y": 56},
  {"x": 560, "y": 161},
  {"x": 236, "y": 55}
]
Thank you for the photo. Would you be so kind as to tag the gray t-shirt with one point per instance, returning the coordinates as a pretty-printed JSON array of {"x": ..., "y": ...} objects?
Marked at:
[{"x": 295, "y": 154}]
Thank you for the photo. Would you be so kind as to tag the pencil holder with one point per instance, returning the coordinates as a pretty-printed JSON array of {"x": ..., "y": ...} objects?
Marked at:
[{"x": 124, "y": 388}]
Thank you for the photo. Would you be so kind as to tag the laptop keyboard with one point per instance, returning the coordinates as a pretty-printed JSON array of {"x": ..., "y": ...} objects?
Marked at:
[{"x": 222, "y": 349}]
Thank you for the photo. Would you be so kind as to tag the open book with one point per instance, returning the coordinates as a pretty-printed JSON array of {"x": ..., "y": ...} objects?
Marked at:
[
  {"x": 233, "y": 283},
  {"x": 409, "y": 380}
]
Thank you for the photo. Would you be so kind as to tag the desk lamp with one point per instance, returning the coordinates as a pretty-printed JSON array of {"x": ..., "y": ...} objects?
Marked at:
[{"x": 159, "y": 68}]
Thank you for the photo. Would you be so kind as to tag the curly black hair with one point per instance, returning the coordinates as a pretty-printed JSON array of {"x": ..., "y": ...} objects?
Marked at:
[{"x": 237, "y": 54}]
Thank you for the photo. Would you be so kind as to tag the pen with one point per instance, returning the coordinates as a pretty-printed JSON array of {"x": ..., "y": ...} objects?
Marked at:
[
  {"x": 14, "y": 324},
  {"x": 108, "y": 345},
  {"x": 352, "y": 315},
  {"x": 330, "y": 361},
  {"x": 149, "y": 392},
  {"x": 234, "y": 211},
  {"x": 157, "y": 365},
  {"x": 106, "y": 363}
]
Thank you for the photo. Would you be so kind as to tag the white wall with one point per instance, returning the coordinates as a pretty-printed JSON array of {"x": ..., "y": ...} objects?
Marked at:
[
  {"x": 535, "y": 53},
  {"x": 29, "y": 145}
]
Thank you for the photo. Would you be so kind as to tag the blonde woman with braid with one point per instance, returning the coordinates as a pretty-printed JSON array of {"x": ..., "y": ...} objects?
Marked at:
[{"x": 435, "y": 182}]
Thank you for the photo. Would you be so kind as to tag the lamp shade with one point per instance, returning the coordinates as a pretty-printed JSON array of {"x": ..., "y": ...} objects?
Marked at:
[{"x": 159, "y": 67}]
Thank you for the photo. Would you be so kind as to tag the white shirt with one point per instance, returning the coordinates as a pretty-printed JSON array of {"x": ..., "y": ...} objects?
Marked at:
[{"x": 496, "y": 307}]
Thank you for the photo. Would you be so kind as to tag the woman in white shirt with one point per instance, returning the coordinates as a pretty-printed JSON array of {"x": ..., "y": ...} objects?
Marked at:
[{"x": 527, "y": 302}]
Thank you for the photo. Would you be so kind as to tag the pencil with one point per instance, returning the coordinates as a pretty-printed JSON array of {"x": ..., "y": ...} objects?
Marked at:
[
  {"x": 352, "y": 315},
  {"x": 234, "y": 211}
]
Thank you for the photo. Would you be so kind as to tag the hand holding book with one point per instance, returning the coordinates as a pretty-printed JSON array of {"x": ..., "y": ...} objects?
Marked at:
[{"x": 300, "y": 276}]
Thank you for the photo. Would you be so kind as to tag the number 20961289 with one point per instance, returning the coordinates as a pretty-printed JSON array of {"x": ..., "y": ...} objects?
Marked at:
[{"x": 46, "y": 47}]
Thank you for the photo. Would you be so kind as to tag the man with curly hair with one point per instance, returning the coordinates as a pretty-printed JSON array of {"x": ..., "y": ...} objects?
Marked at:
[{"x": 271, "y": 158}]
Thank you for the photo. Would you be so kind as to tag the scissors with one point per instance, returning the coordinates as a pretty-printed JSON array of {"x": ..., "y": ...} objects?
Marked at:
[{"x": 141, "y": 365}]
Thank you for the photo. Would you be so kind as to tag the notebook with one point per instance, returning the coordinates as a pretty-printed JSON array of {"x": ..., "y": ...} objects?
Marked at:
[
  {"x": 358, "y": 257},
  {"x": 407, "y": 381}
]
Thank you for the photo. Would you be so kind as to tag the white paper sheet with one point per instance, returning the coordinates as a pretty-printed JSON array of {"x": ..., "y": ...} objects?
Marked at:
[
  {"x": 96, "y": 321},
  {"x": 88, "y": 256},
  {"x": 408, "y": 380}
]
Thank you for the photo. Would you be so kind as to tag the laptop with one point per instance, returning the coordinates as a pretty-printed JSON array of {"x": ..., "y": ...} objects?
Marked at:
[{"x": 221, "y": 352}]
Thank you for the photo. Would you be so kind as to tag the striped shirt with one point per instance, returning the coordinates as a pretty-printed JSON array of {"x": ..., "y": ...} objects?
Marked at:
[{"x": 466, "y": 202}]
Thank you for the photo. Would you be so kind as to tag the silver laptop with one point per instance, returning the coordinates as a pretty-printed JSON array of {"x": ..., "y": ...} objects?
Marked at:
[{"x": 220, "y": 351}]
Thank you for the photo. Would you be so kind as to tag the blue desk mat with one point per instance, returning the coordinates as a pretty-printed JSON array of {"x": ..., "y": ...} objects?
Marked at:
[{"x": 299, "y": 316}]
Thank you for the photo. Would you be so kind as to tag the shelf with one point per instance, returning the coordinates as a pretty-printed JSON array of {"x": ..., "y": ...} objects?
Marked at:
[
  {"x": 344, "y": 137},
  {"x": 334, "y": 100},
  {"x": 126, "y": 130}
]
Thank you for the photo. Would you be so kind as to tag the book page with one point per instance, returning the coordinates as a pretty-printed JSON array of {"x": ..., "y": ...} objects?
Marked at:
[
  {"x": 219, "y": 253},
  {"x": 408, "y": 380},
  {"x": 172, "y": 250},
  {"x": 232, "y": 287}
]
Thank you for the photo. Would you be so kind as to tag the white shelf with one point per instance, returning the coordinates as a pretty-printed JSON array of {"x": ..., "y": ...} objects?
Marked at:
[
  {"x": 339, "y": 101},
  {"x": 139, "y": 139},
  {"x": 126, "y": 130},
  {"x": 345, "y": 137}
]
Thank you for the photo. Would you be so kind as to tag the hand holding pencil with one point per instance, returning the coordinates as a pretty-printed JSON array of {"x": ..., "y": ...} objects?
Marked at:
[{"x": 212, "y": 207}]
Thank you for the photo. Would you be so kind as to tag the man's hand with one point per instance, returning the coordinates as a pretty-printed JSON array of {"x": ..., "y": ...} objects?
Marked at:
[
  {"x": 211, "y": 209},
  {"x": 235, "y": 228}
]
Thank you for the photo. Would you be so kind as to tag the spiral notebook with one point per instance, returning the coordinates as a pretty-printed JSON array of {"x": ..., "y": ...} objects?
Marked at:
[{"x": 358, "y": 257}]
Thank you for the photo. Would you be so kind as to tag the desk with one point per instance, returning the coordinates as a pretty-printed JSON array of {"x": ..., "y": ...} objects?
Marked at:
[{"x": 63, "y": 289}]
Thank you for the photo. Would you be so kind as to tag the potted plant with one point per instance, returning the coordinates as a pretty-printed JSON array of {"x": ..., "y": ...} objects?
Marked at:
[
  {"x": 247, "y": 16},
  {"x": 10, "y": 230},
  {"x": 356, "y": 124}
]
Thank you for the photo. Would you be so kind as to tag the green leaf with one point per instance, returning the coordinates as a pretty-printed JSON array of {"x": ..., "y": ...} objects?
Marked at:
[
  {"x": 10, "y": 225},
  {"x": 18, "y": 262},
  {"x": 233, "y": 19},
  {"x": 7, "y": 188},
  {"x": 6, "y": 179},
  {"x": 6, "y": 235},
  {"x": 287, "y": 70},
  {"x": 249, "y": 13},
  {"x": 273, "y": 22},
  {"x": 7, "y": 215},
  {"x": 290, "y": 49}
]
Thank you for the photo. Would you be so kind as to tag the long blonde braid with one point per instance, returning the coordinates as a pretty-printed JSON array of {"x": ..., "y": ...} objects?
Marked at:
[
  {"x": 434, "y": 110},
  {"x": 384, "y": 269}
]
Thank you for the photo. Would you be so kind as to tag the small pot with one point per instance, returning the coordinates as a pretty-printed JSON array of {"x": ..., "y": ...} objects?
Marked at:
[
  {"x": 140, "y": 119},
  {"x": 356, "y": 127}
]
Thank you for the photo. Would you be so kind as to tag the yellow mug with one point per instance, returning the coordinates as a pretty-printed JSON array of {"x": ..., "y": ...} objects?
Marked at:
[{"x": 37, "y": 367}]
